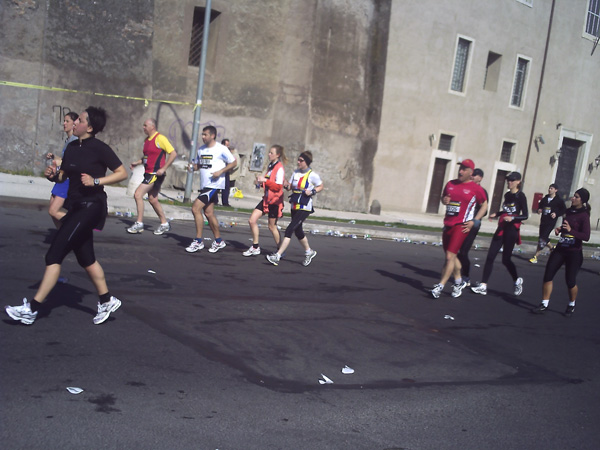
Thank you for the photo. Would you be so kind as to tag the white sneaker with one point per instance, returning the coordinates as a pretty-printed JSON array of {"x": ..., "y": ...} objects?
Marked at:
[
  {"x": 519, "y": 286},
  {"x": 22, "y": 313},
  {"x": 104, "y": 310},
  {"x": 195, "y": 246},
  {"x": 437, "y": 290},
  {"x": 273, "y": 258},
  {"x": 163, "y": 228},
  {"x": 136, "y": 228},
  {"x": 309, "y": 257},
  {"x": 252, "y": 251},
  {"x": 480, "y": 289},
  {"x": 216, "y": 246},
  {"x": 458, "y": 288}
]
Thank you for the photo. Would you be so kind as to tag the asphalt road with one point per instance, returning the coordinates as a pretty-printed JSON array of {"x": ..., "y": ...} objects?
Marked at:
[{"x": 218, "y": 351}]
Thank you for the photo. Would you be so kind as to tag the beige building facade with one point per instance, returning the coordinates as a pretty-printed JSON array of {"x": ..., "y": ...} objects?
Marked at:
[
  {"x": 510, "y": 84},
  {"x": 388, "y": 94}
]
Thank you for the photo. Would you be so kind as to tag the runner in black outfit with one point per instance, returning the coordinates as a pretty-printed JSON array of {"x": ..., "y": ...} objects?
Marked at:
[
  {"x": 514, "y": 212},
  {"x": 575, "y": 228},
  {"x": 463, "y": 254},
  {"x": 85, "y": 162},
  {"x": 551, "y": 207}
]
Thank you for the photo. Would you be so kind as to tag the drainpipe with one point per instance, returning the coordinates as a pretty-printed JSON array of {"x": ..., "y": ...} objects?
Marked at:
[{"x": 537, "y": 101}]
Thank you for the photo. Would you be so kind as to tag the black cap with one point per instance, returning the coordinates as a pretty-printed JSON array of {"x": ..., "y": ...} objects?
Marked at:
[
  {"x": 513, "y": 176},
  {"x": 478, "y": 172}
]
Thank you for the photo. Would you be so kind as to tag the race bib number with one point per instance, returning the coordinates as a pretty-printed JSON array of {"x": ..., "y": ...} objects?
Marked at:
[
  {"x": 566, "y": 241},
  {"x": 547, "y": 211},
  {"x": 452, "y": 209}
]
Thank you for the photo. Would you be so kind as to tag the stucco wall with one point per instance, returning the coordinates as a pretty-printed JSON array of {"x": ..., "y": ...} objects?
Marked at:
[{"x": 303, "y": 74}]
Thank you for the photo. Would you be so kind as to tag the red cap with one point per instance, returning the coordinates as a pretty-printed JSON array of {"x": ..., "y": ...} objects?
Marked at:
[{"x": 468, "y": 163}]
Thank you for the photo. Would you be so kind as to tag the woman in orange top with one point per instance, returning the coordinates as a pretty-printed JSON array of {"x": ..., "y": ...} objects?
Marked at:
[{"x": 272, "y": 202}]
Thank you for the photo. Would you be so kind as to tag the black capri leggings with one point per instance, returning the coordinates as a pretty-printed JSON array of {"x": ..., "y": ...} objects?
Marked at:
[
  {"x": 572, "y": 262},
  {"x": 77, "y": 234},
  {"x": 507, "y": 240},
  {"x": 295, "y": 226}
]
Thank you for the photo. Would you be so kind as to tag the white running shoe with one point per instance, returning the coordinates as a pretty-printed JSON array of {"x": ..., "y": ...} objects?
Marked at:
[
  {"x": 309, "y": 257},
  {"x": 162, "y": 229},
  {"x": 216, "y": 246},
  {"x": 104, "y": 310},
  {"x": 273, "y": 258},
  {"x": 519, "y": 286},
  {"x": 437, "y": 290},
  {"x": 22, "y": 313},
  {"x": 480, "y": 289},
  {"x": 195, "y": 246},
  {"x": 458, "y": 288},
  {"x": 252, "y": 251},
  {"x": 136, "y": 228}
]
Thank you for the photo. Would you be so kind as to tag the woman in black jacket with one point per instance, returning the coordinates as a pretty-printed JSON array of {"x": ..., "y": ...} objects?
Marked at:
[{"x": 514, "y": 211}]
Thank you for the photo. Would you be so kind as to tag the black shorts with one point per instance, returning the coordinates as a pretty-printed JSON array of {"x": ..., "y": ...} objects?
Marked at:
[
  {"x": 209, "y": 195},
  {"x": 274, "y": 210},
  {"x": 150, "y": 178}
]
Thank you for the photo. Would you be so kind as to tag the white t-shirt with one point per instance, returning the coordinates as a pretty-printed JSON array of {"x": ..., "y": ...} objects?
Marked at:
[
  {"x": 313, "y": 181},
  {"x": 210, "y": 160}
]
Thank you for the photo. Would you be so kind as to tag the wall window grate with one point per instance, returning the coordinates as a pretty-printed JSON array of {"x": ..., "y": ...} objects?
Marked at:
[
  {"x": 461, "y": 60},
  {"x": 446, "y": 141},
  {"x": 518, "y": 90},
  {"x": 592, "y": 23},
  {"x": 507, "y": 151},
  {"x": 198, "y": 34}
]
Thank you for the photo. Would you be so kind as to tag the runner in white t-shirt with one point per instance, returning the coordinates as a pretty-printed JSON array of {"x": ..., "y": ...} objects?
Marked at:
[{"x": 213, "y": 160}]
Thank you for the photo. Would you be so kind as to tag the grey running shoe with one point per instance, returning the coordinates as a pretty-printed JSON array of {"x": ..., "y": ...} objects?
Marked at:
[
  {"x": 480, "y": 289},
  {"x": 252, "y": 251},
  {"x": 458, "y": 288},
  {"x": 195, "y": 246},
  {"x": 519, "y": 286},
  {"x": 216, "y": 246},
  {"x": 104, "y": 310},
  {"x": 22, "y": 313},
  {"x": 437, "y": 290},
  {"x": 309, "y": 257},
  {"x": 273, "y": 258},
  {"x": 136, "y": 228},
  {"x": 162, "y": 229}
]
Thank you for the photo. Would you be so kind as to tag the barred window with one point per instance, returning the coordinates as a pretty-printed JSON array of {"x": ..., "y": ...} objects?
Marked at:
[
  {"x": 518, "y": 91},
  {"x": 198, "y": 34},
  {"x": 592, "y": 22},
  {"x": 507, "y": 151},
  {"x": 445, "y": 142},
  {"x": 461, "y": 60}
]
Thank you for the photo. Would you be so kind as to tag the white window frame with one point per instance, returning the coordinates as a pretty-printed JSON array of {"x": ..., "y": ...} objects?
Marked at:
[
  {"x": 527, "y": 2},
  {"x": 525, "y": 82},
  {"x": 467, "y": 66},
  {"x": 585, "y": 34}
]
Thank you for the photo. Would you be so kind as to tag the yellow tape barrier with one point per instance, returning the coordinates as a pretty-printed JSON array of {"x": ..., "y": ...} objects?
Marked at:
[{"x": 145, "y": 100}]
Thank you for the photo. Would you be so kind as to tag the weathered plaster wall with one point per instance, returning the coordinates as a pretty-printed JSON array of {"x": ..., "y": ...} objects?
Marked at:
[{"x": 304, "y": 74}]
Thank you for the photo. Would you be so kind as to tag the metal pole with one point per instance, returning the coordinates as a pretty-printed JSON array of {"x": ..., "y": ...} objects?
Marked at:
[{"x": 197, "y": 109}]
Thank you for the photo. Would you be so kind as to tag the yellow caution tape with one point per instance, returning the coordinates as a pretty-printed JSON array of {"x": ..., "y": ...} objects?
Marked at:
[{"x": 145, "y": 100}]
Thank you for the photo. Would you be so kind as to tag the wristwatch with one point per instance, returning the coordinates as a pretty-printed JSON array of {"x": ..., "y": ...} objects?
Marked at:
[{"x": 96, "y": 181}]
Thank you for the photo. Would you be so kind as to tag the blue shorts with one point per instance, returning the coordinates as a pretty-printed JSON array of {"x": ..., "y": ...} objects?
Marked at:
[{"x": 61, "y": 189}]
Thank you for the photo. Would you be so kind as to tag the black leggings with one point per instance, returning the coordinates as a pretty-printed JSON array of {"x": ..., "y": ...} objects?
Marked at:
[
  {"x": 463, "y": 254},
  {"x": 572, "y": 262},
  {"x": 295, "y": 226},
  {"x": 77, "y": 234},
  {"x": 507, "y": 240}
]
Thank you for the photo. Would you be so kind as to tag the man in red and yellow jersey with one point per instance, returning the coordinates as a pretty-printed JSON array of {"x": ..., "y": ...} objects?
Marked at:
[{"x": 159, "y": 154}]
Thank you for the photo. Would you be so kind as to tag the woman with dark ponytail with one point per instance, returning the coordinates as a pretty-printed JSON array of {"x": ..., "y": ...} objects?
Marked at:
[{"x": 574, "y": 230}]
